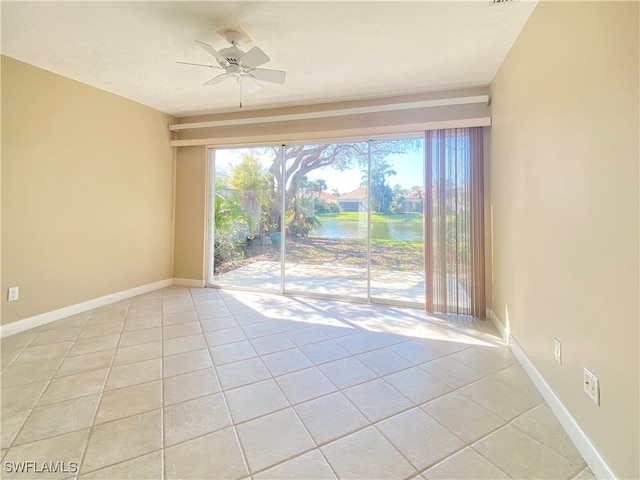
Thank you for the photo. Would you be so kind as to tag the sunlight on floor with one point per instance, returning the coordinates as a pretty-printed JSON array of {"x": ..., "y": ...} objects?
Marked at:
[{"x": 406, "y": 322}]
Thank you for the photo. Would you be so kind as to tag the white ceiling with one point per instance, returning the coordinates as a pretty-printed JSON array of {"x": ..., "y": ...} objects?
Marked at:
[{"x": 331, "y": 51}]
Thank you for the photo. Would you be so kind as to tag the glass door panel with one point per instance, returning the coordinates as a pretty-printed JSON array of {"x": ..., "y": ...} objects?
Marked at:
[
  {"x": 350, "y": 227},
  {"x": 327, "y": 219},
  {"x": 397, "y": 228},
  {"x": 246, "y": 211}
]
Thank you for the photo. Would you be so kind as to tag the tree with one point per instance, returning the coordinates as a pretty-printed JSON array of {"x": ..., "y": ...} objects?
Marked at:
[
  {"x": 381, "y": 194},
  {"x": 301, "y": 214},
  {"x": 232, "y": 224},
  {"x": 399, "y": 203},
  {"x": 318, "y": 186},
  {"x": 253, "y": 185},
  {"x": 302, "y": 159},
  {"x": 416, "y": 192},
  {"x": 399, "y": 190}
]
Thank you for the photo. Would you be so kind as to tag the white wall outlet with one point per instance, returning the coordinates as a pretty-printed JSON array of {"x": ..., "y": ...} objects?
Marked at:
[
  {"x": 14, "y": 292},
  {"x": 557, "y": 351},
  {"x": 592, "y": 386}
]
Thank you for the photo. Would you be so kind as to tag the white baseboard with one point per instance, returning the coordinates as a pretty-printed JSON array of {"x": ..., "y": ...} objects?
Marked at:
[
  {"x": 188, "y": 282},
  {"x": 504, "y": 331},
  {"x": 48, "y": 317},
  {"x": 587, "y": 449}
]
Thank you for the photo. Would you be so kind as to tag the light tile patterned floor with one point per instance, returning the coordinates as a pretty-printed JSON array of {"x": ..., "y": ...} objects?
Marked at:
[{"x": 203, "y": 383}]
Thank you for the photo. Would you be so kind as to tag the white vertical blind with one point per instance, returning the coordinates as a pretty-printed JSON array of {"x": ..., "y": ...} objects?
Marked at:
[{"x": 454, "y": 222}]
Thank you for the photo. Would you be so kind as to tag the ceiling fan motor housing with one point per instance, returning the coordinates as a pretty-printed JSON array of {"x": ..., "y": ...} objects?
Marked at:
[
  {"x": 232, "y": 54},
  {"x": 234, "y": 70}
]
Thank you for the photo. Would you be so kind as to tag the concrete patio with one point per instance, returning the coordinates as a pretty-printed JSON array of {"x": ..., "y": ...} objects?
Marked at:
[{"x": 340, "y": 281}]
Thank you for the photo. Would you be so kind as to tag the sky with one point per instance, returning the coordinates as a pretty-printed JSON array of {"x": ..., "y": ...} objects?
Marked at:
[{"x": 409, "y": 168}]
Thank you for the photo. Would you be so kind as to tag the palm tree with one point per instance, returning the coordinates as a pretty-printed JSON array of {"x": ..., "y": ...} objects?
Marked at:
[
  {"x": 381, "y": 193},
  {"x": 319, "y": 185}
]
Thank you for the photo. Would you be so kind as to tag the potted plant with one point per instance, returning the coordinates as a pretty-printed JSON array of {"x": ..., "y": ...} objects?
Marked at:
[
  {"x": 276, "y": 233},
  {"x": 276, "y": 237}
]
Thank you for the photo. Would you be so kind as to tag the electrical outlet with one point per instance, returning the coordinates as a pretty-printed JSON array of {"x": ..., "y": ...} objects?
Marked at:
[
  {"x": 557, "y": 351},
  {"x": 592, "y": 386},
  {"x": 14, "y": 292}
]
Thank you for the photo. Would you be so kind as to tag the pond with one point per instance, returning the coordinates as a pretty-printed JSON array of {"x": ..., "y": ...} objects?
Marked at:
[{"x": 381, "y": 230}]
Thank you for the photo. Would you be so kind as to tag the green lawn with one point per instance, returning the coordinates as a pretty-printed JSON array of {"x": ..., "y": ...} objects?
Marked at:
[{"x": 375, "y": 217}]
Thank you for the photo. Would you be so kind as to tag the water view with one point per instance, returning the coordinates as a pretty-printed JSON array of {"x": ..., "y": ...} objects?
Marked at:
[{"x": 380, "y": 230}]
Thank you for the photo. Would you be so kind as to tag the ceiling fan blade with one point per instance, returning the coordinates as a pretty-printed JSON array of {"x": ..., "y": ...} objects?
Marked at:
[
  {"x": 216, "y": 80},
  {"x": 274, "y": 76},
  {"x": 254, "y": 58},
  {"x": 198, "y": 64},
  {"x": 250, "y": 84},
  {"x": 212, "y": 51}
]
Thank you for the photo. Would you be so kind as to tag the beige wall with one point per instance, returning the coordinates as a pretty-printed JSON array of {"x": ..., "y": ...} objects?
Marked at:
[
  {"x": 190, "y": 233},
  {"x": 564, "y": 180},
  {"x": 87, "y": 180}
]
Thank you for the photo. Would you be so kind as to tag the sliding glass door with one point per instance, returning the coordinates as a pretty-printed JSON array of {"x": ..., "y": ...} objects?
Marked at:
[
  {"x": 340, "y": 219},
  {"x": 397, "y": 220},
  {"x": 244, "y": 226},
  {"x": 347, "y": 220},
  {"x": 327, "y": 219}
]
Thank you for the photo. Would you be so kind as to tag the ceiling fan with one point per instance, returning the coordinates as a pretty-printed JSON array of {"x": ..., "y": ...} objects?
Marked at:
[{"x": 242, "y": 66}]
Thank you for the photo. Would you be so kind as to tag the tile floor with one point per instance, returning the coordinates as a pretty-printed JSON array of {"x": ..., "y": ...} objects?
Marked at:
[{"x": 203, "y": 383}]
